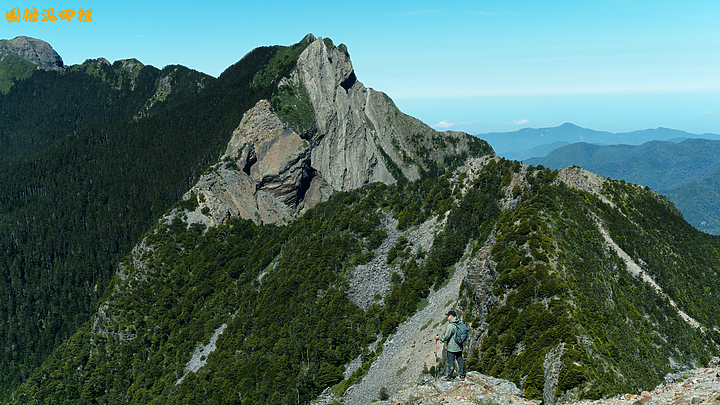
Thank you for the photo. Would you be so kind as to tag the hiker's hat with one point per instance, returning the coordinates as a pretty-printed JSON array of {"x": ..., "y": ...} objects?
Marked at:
[{"x": 451, "y": 313}]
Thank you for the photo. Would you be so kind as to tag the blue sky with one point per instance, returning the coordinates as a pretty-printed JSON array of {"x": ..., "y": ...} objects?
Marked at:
[{"x": 480, "y": 66}]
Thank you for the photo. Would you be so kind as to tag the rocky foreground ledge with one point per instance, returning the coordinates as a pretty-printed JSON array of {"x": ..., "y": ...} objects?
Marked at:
[{"x": 692, "y": 387}]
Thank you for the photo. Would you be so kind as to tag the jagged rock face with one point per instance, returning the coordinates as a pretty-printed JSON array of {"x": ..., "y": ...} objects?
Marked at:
[
  {"x": 33, "y": 50},
  {"x": 98, "y": 62},
  {"x": 273, "y": 156},
  {"x": 360, "y": 132},
  {"x": 475, "y": 389},
  {"x": 688, "y": 387},
  {"x": 346, "y": 153},
  {"x": 356, "y": 135},
  {"x": 264, "y": 175}
]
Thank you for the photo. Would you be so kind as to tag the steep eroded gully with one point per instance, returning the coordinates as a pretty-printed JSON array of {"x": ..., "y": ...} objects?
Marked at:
[{"x": 412, "y": 348}]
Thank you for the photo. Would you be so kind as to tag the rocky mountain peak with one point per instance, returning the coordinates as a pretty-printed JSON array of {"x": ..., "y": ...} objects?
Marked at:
[
  {"x": 348, "y": 136},
  {"x": 265, "y": 174},
  {"x": 33, "y": 50},
  {"x": 310, "y": 38},
  {"x": 98, "y": 62}
]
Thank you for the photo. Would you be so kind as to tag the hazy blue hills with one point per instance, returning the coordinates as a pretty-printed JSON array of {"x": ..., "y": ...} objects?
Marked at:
[
  {"x": 699, "y": 202},
  {"x": 540, "y": 150},
  {"x": 690, "y": 169},
  {"x": 660, "y": 165},
  {"x": 533, "y": 142},
  {"x": 130, "y": 273}
]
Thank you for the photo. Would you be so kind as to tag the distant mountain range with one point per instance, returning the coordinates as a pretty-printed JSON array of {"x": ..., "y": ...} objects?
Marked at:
[
  {"x": 282, "y": 233},
  {"x": 536, "y": 142},
  {"x": 687, "y": 172},
  {"x": 92, "y": 154}
]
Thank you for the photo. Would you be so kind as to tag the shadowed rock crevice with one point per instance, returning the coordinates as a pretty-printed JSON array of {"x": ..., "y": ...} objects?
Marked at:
[
  {"x": 349, "y": 82},
  {"x": 251, "y": 160},
  {"x": 305, "y": 182},
  {"x": 349, "y": 136}
]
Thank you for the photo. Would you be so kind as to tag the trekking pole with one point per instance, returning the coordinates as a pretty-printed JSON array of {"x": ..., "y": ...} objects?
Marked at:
[{"x": 436, "y": 359}]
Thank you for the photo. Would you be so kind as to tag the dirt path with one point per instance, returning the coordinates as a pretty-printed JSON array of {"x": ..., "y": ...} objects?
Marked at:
[{"x": 412, "y": 348}]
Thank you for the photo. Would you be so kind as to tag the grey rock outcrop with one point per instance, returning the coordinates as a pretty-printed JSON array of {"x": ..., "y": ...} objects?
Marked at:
[
  {"x": 552, "y": 366},
  {"x": 346, "y": 152},
  {"x": 272, "y": 172},
  {"x": 362, "y": 137},
  {"x": 33, "y": 50},
  {"x": 476, "y": 389},
  {"x": 698, "y": 386},
  {"x": 372, "y": 280},
  {"x": 264, "y": 174},
  {"x": 98, "y": 62}
]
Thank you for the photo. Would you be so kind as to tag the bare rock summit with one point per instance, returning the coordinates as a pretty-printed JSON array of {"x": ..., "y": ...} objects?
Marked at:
[
  {"x": 274, "y": 170},
  {"x": 33, "y": 50}
]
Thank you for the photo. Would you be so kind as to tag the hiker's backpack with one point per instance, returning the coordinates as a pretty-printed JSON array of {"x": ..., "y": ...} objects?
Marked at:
[{"x": 461, "y": 332}]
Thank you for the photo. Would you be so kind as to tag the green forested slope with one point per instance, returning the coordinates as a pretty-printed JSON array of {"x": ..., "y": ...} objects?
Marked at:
[
  {"x": 559, "y": 283},
  {"x": 49, "y": 105},
  {"x": 685, "y": 172},
  {"x": 281, "y": 291},
  {"x": 699, "y": 201},
  {"x": 660, "y": 165},
  {"x": 68, "y": 214},
  {"x": 13, "y": 68}
]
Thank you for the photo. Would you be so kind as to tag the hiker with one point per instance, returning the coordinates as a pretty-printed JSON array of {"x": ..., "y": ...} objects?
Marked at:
[{"x": 453, "y": 348}]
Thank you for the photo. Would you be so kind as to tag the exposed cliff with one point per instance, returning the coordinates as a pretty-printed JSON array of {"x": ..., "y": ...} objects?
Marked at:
[
  {"x": 574, "y": 286},
  {"x": 33, "y": 50},
  {"x": 265, "y": 175},
  {"x": 323, "y": 131}
]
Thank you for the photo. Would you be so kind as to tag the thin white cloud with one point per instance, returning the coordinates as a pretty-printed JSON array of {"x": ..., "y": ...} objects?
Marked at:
[
  {"x": 706, "y": 113},
  {"x": 421, "y": 12},
  {"x": 492, "y": 13},
  {"x": 516, "y": 122},
  {"x": 444, "y": 124}
]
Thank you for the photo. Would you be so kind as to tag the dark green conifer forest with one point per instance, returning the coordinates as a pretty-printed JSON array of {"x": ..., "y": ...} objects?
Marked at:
[
  {"x": 281, "y": 291},
  {"x": 85, "y": 319},
  {"x": 562, "y": 287},
  {"x": 291, "y": 328},
  {"x": 82, "y": 181}
]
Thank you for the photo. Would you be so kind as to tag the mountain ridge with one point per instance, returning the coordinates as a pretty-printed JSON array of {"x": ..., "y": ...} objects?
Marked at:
[
  {"x": 684, "y": 171},
  {"x": 350, "y": 136},
  {"x": 153, "y": 156},
  {"x": 33, "y": 50},
  {"x": 506, "y": 143},
  {"x": 533, "y": 304},
  {"x": 91, "y": 194},
  {"x": 574, "y": 285}
]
